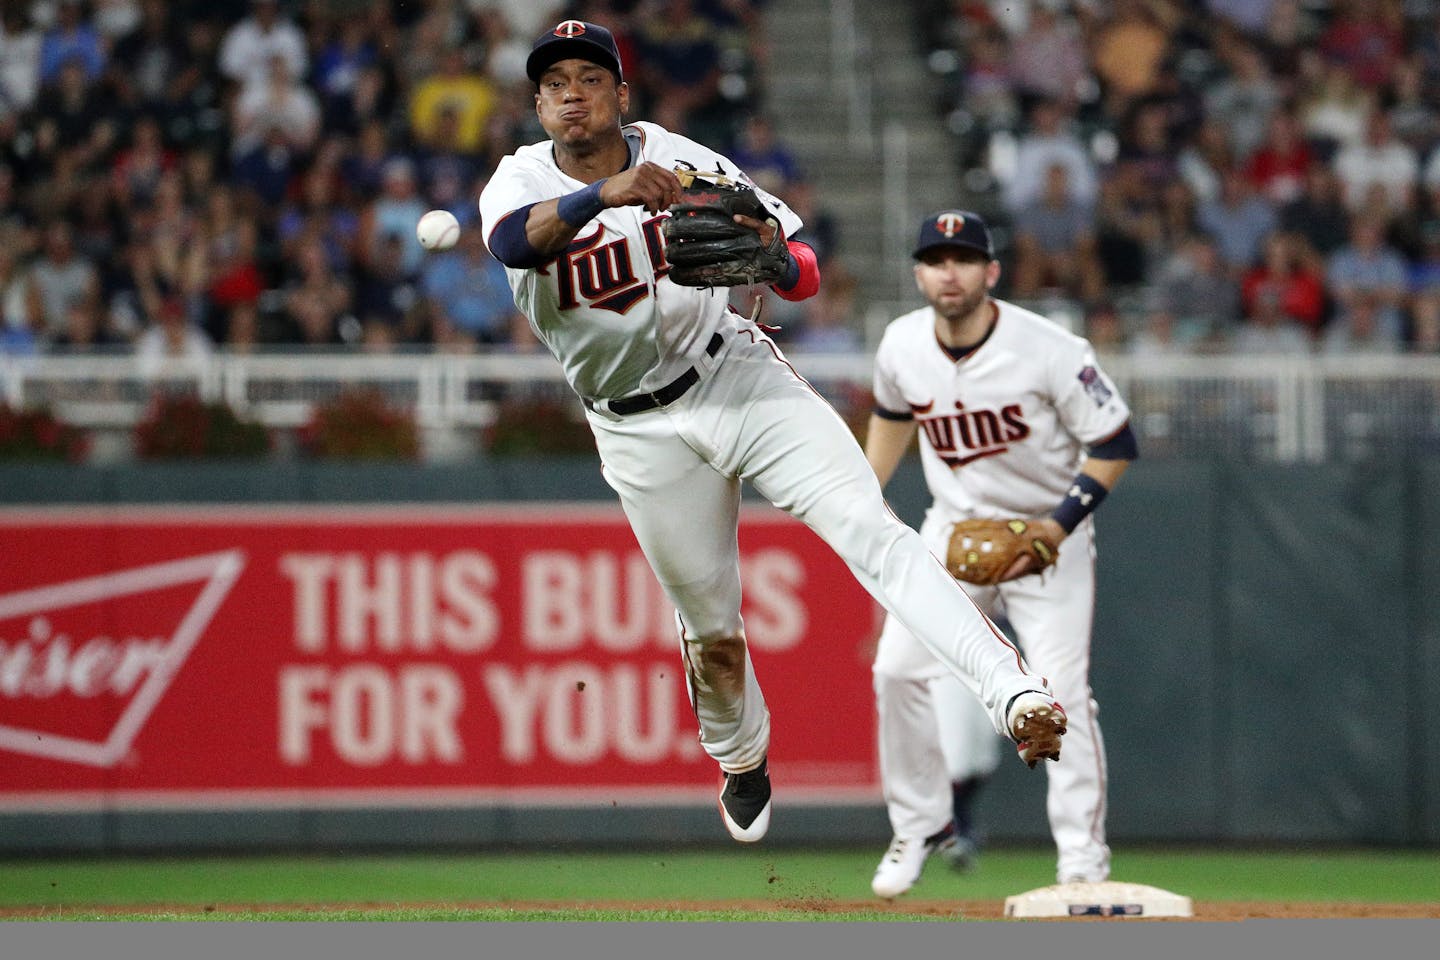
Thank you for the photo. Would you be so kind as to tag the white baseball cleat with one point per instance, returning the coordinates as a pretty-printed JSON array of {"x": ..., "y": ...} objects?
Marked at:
[
  {"x": 745, "y": 803},
  {"x": 900, "y": 868},
  {"x": 1036, "y": 722}
]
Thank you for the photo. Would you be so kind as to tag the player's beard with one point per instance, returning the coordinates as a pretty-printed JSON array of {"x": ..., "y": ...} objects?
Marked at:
[{"x": 958, "y": 311}]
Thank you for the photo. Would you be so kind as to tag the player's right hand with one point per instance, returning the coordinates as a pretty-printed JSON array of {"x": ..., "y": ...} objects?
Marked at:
[{"x": 648, "y": 185}]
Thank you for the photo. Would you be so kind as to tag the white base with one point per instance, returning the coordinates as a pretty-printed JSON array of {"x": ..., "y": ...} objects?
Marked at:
[{"x": 1107, "y": 899}]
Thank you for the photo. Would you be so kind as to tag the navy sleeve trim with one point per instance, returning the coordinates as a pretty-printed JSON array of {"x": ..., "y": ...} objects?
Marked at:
[
  {"x": 510, "y": 244},
  {"x": 1121, "y": 445},
  {"x": 884, "y": 414}
]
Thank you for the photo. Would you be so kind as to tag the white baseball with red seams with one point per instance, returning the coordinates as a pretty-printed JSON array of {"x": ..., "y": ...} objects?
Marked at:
[
  {"x": 1002, "y": 434},
  {"x": 438, "y": 230}
]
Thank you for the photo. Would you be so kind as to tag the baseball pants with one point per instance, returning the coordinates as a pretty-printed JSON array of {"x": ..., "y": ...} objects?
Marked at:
[
  {"x": 1052, "y": 616},
  {"x": 678, "y": 470}
]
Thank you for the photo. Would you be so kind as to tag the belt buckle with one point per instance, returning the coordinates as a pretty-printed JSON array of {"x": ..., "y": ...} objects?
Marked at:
[{"x": 655, "y": 399}]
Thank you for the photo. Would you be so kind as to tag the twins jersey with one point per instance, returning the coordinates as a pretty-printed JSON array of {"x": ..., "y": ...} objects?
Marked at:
[
  {"x": 603, "y": 306},
  {"x": 1005, "y": 427}
]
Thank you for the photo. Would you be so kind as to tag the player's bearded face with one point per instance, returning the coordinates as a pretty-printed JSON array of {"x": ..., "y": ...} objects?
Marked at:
[
  {"x": 580, "y": 104},
  {"x": 955, "y": 283}
]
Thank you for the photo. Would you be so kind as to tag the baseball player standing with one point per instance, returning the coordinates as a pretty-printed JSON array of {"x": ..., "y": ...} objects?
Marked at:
[
  {"x": 1016, "y": 421},
  {"x": 687, "y": 399}
]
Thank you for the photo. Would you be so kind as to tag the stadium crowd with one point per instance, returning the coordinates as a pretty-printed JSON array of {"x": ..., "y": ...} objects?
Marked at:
[
  {"x": 182, "y": 175},
  {"x": 1259, "y": 176},
  {"x": 186, "y": 175}
]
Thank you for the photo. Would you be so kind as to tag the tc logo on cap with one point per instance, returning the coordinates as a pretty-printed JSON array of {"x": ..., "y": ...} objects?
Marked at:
[
  {"x": 949, "y": 224},
  {"x": 570, "y": 29}
]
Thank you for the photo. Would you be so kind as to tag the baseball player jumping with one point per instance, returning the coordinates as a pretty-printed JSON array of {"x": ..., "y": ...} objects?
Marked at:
[
  {"x": 687, "y": 399},
  {"x": 1017, "y": 422}
]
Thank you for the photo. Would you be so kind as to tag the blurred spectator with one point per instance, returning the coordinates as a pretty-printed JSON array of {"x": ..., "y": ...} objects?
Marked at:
[
  {"x": 1055, "y": 245},
  {"x": 1244, "y": 100},
  {"x": 1252, "y": 17},
  {"x": 278, "y": 105},
  {"x": 1204, "y": 160},
  {"x": 342, "y": 61},
  {"x": 1360, "y": 328},
  {"x": 821, "y": 231},
  {"x": 226, "y": 249},
  {"x": 1369, "y": 272},
  {"x": 154, "y": 52},
  {"x": 19, "y": 60},
  {"x": 18, "y": 307},
  {"x": 1158, "y": 335},
  {"x": 173, "y": 345},
  {"x": 825, "y": 329},
  {"x": 1196, "y": 289},
  {"x": 71, "y": 40},
  {"x": 1366, "y": 38},
  {"x": 1268, "y": 330},
  {"x": 1378, "y": 159},
  {"x": 450, "y": 107},
  {"x": 1047, "y": 143},
  {"x": 759, "y": 152},
  {"x": 1049, "y": 58},
  {"x": 1129, "y": 50},
  {"x": 137, "y": 288},
  {"x": 1288, "y": 270},
  {"x": 1105, "y": 328},
  {"x": 387, "y": 294},
  {"x": 63, "y": 280},
  {"x": 1278, "y": 168},
  {"x": 1413, "y": 116},
  {"x": 1319, "y": 213},
  {"x": 248, "y": 47},
  {"x": 680, "y": 70},
  {"x": 392, "y": 216},
  {"x": 1238, "y": 220},
  {"x": 84, "y": 330},
  {"x": 316, "y": 214},
  {"x": 1333, "y": 108},
  {"x": 467, "y": 294},
  {"x": 1127, "y": 227},
  {"x": 316, "y": 296},
  {"x": 138, "y": 167}
]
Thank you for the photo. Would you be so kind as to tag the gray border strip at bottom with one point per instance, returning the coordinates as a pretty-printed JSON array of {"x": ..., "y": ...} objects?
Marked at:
[{"x": 1110, "y": 940}]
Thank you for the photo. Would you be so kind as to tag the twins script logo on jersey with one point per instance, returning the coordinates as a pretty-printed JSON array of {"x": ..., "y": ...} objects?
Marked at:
[
  {"x": 601, "y": 275},
  {"x": 119, "y": 638},
  {"x": 971, "y": 435}
]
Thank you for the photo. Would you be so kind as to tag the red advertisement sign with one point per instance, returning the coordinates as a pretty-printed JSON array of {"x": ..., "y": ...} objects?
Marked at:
[{"x": 232, "y": 657}]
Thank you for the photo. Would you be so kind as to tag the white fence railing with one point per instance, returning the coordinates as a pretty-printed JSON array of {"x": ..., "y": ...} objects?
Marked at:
[{"x": 1259, "y": 408}]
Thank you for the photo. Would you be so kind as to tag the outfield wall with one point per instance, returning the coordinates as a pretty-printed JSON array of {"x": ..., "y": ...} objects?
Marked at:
[{"x": 1264, "y": 670}]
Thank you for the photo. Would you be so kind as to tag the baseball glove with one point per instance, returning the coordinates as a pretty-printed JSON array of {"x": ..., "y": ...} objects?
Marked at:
[
  {"x": 704, "y": 244},
  {"x": 982, "y": 550}
]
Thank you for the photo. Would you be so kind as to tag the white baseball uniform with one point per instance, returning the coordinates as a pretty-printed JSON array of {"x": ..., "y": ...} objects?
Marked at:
[
  {"x": 620, "y": 329},
  {"x": 1003, "y": 432}
]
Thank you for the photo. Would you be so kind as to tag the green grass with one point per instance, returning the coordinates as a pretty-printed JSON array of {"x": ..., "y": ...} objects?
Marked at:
[{"x": 801, "y": 884}]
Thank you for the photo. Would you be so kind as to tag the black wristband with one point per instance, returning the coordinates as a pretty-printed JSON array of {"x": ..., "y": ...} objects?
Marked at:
[{"x": 1080, "y": 501}]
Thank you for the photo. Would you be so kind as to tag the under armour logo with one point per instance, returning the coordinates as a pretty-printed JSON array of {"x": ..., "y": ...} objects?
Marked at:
[
  {"x": 570, "y": 29},
  {"x": 949, "y": 224},
  {"x": 1080, "y": 495}
]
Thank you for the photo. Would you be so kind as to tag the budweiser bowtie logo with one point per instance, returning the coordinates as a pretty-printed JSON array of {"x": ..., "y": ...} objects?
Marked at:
[{"x": 83, "y": 663}]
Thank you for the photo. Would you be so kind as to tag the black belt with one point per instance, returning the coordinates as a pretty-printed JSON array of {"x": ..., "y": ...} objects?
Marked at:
[{"x": 667, "y": 394}]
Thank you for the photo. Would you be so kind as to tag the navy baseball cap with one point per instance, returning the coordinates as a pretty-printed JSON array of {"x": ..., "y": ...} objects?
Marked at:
[
  {"x": 954, "y": 228},
  {"x": 574, "y": 39}
]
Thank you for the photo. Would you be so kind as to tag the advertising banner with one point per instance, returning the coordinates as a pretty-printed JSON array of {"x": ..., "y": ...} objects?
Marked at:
[{"x": 223, "y": 657}]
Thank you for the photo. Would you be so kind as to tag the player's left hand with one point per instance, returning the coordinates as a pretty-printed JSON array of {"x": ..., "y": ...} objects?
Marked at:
[
  {"x": 1027, "y": 564},
  {"x": 766, "y": 228}
]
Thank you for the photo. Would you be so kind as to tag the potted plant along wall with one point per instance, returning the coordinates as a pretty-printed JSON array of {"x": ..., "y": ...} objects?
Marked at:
[
  {"x": 38, "y": 435},
  {"x": 360, "y": 424},
  {"x": 184, "y": 427}
]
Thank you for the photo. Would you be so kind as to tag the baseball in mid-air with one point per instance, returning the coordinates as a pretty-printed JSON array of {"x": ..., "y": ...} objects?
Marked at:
[{"x": 438, "y": 230}]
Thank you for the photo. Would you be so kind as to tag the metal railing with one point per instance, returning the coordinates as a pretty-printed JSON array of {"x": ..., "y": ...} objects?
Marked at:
[{"x": 1298, "y": 409}]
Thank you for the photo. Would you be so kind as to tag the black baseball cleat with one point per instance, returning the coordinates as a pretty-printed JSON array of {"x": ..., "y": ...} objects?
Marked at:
[{"x": 745, "y": 803}]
